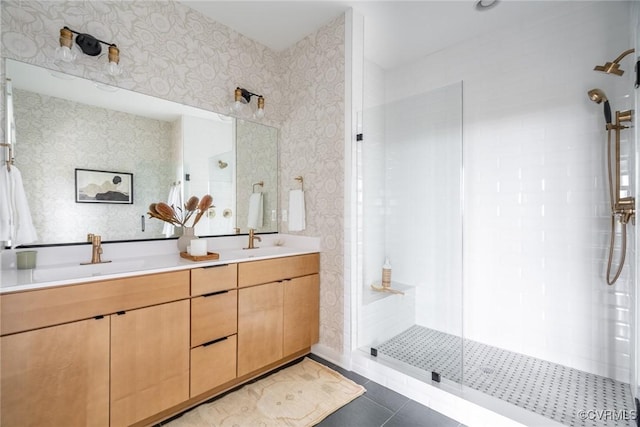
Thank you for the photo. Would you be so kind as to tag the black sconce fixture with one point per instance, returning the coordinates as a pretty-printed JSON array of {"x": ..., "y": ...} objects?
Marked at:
[
  {"x": 242, "y": 97},
  {"x": 89, "y": 45}
]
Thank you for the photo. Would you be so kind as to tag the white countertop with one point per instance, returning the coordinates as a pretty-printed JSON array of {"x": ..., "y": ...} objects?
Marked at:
[{"x": 49, "y": 274}]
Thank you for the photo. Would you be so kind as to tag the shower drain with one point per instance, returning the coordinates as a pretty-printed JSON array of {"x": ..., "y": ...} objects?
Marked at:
[{"x": 487, "y": 370}]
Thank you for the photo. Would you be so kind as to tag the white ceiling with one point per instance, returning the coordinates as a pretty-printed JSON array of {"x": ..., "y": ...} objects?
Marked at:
[{"x": 396, "y": 32}]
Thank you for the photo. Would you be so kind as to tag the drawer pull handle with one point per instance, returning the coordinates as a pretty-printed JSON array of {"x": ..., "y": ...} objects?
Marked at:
[
  {"x": 120, "y": 313},
  {"x": 98, "y": 317},
  {"x": 215, "y": 293},
  {"x": 216, "y": 266},
  {"x": 207, "y": 344}
]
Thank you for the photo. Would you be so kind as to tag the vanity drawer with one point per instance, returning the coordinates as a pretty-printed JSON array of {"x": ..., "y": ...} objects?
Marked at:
[
  {"x": 214, "y": 278},
  {"x": 271, "y": 270},
  {"x": 27, "y": 310},
  {"x": 213, "y": 364},
  {"x": 213, "y": 316}
]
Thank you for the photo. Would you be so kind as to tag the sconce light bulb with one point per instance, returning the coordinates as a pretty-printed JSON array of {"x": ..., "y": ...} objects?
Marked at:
[
  {"x": 237, "y": 106},
  {"x": 260, "y": 111},
  {"x": 65, "y": 54},
  {"x": 114, "y": 69}
]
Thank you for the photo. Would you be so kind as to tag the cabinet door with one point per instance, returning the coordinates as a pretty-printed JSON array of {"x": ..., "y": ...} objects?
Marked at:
[
  {"x": 259, "y": 326},
  {"x": 56, "y": 376},
  {"x": 301, "y": 313},
  {"x": 149, "y": 361}
]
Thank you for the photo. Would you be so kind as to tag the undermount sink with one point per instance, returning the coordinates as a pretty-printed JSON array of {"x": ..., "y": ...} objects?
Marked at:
[
  {"x": 264, "y": 251},
  {"x": 78, "y": 271}
]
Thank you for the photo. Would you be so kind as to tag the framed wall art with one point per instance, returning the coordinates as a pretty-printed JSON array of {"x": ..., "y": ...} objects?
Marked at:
[{"x": 96, "y": 186}]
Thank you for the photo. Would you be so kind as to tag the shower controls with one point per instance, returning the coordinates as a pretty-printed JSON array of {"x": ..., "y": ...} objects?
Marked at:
[{"x": 622, "y": 208}]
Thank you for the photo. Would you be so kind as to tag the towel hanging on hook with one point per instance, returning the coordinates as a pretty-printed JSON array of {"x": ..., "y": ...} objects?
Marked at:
[
  {"x": 297, "y": 215},
  {"x": 260, "y": 183},
  {"x": 16, "y": 224}
]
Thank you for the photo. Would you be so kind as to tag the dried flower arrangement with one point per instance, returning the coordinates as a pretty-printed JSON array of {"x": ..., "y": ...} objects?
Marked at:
[{"x": 178, "y": 216}]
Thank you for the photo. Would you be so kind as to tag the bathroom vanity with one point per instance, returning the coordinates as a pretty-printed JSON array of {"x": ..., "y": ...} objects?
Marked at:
[{"x": 133, "y": 349}]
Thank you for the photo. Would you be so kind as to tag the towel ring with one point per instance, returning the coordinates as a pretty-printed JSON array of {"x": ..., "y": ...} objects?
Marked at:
[
  {"x": 301, "y": 180},
  {"x": 260, "y": 183}
]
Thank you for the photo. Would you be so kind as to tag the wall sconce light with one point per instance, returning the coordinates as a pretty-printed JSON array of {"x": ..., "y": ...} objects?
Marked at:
[
  {"x": 243, "y": 97},
  {"x": 89, "y": 45}
]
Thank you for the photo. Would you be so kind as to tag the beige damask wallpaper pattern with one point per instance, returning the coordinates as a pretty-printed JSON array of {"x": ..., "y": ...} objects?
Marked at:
[
  {"x": 173, "y": 52},
  {"x": 313, "y": 141},
  {"x": 115, "y": 141}
]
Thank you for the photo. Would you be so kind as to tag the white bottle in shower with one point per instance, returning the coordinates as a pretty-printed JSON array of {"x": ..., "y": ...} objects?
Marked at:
[{"x": 386, "y": 273}]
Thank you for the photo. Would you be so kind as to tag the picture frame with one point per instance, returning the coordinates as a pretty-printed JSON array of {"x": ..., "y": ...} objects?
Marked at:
[{"x": 98, "y": 186}]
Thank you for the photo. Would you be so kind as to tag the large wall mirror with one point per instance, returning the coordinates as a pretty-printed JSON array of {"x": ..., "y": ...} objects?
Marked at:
[{"x": 67, "y": 128}]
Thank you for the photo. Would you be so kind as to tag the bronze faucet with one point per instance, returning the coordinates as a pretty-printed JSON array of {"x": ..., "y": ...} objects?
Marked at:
[
  {"x": 252, "y": 238},
  {"x": 96, "y": 249}
]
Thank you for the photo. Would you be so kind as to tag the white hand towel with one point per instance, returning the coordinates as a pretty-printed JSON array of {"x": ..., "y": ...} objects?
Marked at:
[
  {"x": 256, "y": 211},
  {"x": 174, "y": 199},
  {"x": 16, "y": 224},
  {"x": 297, "y": 221},
  {"x": 5, "y": 205}
]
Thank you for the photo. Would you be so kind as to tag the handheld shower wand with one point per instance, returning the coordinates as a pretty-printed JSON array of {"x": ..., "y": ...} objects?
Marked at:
[{"x": 598, "y": 96}]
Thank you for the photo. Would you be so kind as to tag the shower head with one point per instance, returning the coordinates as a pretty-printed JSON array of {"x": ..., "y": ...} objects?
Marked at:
[
  {"x": 598, "y": 96},
  {"x": 614, "y": 67}
]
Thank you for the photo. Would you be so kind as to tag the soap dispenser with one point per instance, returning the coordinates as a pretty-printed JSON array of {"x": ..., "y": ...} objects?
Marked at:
[{"x": 386, "y": 273}]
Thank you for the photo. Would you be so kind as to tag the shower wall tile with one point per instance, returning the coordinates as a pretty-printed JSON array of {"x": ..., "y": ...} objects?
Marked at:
[
  {"x": 536, "y": 214},
  {"x": 372, "y": 175},
  {"x": 385, "y": 317},
  {"x": 422, "y": 183}
]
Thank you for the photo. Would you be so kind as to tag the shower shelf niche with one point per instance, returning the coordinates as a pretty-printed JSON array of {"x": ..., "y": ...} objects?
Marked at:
[{"x": 370, "y": 295}]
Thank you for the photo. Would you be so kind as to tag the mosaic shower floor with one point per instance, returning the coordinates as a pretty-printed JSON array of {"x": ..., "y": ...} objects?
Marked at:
[{"x": 566, "y": 395}]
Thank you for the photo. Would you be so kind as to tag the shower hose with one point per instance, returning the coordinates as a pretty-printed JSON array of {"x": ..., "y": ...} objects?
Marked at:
[{"x": 623, "y": 221}]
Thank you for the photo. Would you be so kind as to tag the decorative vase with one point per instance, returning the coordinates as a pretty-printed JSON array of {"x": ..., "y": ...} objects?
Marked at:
[{"x": 185, "y": 238}]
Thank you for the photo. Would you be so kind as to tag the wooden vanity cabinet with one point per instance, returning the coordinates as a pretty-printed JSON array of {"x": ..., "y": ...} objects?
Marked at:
[
  {"x": 149, "y": 361},
  {"x": 214, "y": 324},
  {"x": 278, "y": 312},
  {"x": 135, "y": 350},
  {"x": 95, "y": 354},
  {"x": 56, "y": 376}
]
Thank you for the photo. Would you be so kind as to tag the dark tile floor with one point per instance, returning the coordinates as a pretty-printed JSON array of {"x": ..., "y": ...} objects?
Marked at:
[{"x": 380, "y": 406}]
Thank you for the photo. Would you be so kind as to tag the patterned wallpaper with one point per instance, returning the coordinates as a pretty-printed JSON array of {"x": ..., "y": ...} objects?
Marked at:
[
  {"x": 171, "y": 51},
  {"x": 116, "y": 141},
  {"x": 313, "y": 147}
]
